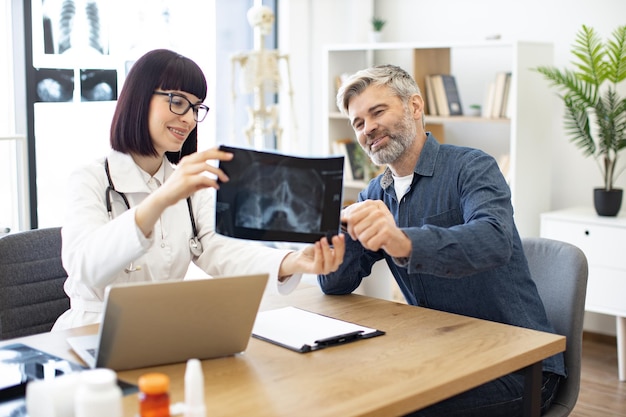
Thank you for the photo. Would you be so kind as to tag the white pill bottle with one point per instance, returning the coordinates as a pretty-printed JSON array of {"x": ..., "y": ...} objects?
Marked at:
[{"x": 98, "y": 394}]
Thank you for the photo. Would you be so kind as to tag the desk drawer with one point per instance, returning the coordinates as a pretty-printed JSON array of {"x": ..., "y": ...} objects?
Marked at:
[
  {"x": 603, "y": 245},
  {"x": 606, "y": 291}
]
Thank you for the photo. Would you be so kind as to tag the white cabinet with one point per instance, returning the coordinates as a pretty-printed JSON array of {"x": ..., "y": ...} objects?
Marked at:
[
  {"x": 524, "y": 139},
  {"x": 602, "y": 239}
]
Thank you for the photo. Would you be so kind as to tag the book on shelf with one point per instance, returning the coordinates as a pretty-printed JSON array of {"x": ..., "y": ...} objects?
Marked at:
[
  {"x": 506, "y": 101},
  {"x": 452, "y": 95},
  {"x": 446, "y": 94},
  {"x": 339, "y": 80},
  {"x": 431, "y": 104},
  {"x": 500, "y": 94},
  {"x": 440, "y": 95},
  {"x": 490, "y": 93}
]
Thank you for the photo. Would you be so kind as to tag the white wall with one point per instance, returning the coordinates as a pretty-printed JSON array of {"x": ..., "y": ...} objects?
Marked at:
[
  {"x": 312, "y": 23},
  {"x": 304, "y": 27}
]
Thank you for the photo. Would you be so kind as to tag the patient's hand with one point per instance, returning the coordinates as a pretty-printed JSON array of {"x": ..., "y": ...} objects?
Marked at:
[{"x": 371, "y": 223}]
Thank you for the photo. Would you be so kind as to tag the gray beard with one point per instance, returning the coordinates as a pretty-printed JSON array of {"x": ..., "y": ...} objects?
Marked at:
[{"x": 398, "y": 143}]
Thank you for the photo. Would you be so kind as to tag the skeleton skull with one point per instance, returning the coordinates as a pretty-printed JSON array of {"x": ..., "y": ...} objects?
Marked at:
[{"x": 261, "y": 17}]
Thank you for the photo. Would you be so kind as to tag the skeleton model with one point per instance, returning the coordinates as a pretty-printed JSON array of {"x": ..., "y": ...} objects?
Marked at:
[{"x": 259, "y": 75}]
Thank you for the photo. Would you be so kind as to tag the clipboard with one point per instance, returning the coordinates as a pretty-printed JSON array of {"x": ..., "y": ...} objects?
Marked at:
[{"x": 304, "y": 331}]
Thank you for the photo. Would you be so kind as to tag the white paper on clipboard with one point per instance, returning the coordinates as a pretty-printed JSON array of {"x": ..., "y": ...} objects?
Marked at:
[{"x": 304, "y": 331}]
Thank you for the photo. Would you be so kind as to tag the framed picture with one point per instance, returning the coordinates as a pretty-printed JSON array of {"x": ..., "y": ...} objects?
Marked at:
[{"x": 355, "y": 158}]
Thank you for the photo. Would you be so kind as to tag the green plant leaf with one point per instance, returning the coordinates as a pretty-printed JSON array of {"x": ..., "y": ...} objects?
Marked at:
[
  {"x": 616, "y": 53},
  {"x": 591, "y": 88},
  {"x": 378, "y": 23}
]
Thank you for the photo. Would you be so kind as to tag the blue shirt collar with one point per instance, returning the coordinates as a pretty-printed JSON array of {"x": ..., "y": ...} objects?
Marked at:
[{"x": 425, "y": 165}]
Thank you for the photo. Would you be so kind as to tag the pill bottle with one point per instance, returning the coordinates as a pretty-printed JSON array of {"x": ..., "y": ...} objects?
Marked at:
[
  {"x": 98, "y": 394},
  {"x": 154, "y": 397}
]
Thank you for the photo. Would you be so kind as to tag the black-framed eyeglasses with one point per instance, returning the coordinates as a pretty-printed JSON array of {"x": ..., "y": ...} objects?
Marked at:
[{"x": 180, "y": 105}]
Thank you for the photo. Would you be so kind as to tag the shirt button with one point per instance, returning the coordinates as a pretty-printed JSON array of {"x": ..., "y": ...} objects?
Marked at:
[{"x": 162, "y": 244}]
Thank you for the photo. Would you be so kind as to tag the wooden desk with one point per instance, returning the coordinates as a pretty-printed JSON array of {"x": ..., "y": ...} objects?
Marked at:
[{"x": 426, "y": 356}]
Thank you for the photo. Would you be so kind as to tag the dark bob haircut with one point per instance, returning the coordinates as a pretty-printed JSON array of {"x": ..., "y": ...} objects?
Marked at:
[{"x": 159, "y": 69}]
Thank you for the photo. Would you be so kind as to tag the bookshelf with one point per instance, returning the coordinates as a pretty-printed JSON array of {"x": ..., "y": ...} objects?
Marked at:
[{"x": 522, "y": 140}]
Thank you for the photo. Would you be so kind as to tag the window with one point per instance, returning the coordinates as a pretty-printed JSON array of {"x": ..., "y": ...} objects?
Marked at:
[
  {"x": 13, "y": 159},
  {"x": 72, "y": 129}
]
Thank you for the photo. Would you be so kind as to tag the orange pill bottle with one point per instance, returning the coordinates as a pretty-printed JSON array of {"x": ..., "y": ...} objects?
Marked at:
[{"x": 154, "y": 397}]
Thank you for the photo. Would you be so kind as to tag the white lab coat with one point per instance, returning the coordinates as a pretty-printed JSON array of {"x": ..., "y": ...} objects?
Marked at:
[{"x": 96, "y": 251}]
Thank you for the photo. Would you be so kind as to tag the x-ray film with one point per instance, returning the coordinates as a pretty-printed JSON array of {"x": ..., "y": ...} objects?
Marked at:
[{"x": 279, "y": 198}]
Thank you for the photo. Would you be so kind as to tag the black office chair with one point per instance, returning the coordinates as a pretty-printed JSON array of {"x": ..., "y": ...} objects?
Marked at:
[
  {"x": 31, "y": 282},
  {"x": 560, "y": 272}
]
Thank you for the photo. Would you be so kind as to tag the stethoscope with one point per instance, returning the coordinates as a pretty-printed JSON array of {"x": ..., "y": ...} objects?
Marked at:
[{"x": 194, "y": 243}]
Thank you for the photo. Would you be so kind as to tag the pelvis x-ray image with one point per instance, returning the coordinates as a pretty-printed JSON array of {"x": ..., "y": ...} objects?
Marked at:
[
  {"x": 277, "y": 197},
  {"x": 274, "y": 198}
]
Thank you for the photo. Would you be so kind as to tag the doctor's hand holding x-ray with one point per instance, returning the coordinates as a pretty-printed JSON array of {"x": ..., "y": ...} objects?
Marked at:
[{"x": 191, "y": 176}]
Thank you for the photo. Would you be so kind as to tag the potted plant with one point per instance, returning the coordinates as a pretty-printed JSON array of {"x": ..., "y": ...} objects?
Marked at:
[
  {"x": 377, "y": 28},
  {"x": 595, "y": 114},
  {"x": 475, "y": 110}
]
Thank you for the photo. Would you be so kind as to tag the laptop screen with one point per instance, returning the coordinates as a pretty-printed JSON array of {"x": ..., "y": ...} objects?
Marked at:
[
  {"x": 155, "y": 323},
  {"x": 276, "y": 197}
]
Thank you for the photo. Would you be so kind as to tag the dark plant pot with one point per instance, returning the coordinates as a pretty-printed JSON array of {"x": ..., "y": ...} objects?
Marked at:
[{"x": 607, "y": 203}]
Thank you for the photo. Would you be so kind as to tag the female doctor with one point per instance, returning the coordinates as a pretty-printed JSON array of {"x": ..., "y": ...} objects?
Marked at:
[{"x": 145, "y": 212}]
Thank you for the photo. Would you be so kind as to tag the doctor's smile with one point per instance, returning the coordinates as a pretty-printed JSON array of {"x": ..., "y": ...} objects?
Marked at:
[{"x": 180, "y": 133}]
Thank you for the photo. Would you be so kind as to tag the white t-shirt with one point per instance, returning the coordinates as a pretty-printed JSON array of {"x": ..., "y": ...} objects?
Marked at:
[{"x": 402, "y": 184}]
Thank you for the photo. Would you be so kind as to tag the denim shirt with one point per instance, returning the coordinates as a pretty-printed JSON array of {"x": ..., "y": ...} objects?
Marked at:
[{"x": 467, "y": 256}]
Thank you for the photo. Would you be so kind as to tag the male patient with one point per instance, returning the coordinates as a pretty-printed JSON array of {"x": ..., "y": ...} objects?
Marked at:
[{"x": 441, "y": 217}]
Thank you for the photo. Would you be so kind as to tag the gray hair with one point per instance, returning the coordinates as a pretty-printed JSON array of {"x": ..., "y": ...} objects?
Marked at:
[{"x": 394, "y": 77}]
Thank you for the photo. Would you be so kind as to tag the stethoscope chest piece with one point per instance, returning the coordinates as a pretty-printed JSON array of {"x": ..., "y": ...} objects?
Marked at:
[{"x": 195, "y": 246}]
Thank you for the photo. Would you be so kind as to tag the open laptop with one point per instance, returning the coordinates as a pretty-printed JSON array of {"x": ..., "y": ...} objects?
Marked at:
[{"x": 150, "y": 324}]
